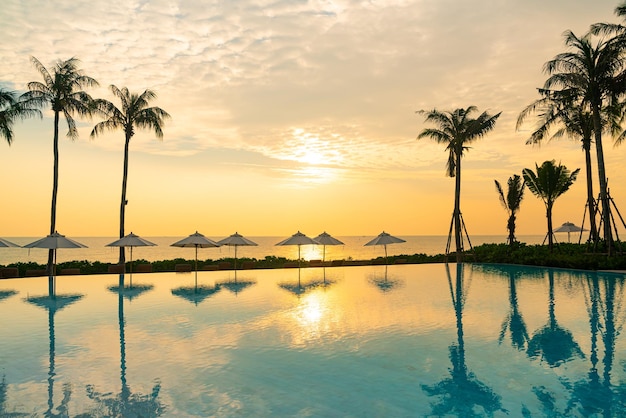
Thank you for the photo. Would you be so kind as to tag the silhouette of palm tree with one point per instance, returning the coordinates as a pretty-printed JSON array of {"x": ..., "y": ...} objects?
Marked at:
[
  {"x": 461, "y": 394},
  {"x": 125, "y": 403},
  {"x": 553, "y": 343}
]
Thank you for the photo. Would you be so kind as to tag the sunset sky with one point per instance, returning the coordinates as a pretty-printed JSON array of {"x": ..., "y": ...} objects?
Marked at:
[{"x": 290, "y": 115}]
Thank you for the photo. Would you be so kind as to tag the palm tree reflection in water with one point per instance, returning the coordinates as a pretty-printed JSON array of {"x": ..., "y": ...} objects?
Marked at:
[
  {"x": 53, "y": 303},
  {"x": 514, "y": 320},
  {"x": 461, "y": 394},
  {"x": 553, "y": 343},
  {"x": 596, "y": 394},
  {"x": 126, "y": 403}
]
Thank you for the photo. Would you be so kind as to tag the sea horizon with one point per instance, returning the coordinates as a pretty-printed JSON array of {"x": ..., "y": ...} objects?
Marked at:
[{"x": 354, "y": 248}]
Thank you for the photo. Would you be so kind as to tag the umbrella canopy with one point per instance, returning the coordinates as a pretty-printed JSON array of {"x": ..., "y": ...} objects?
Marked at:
[
  {"x": 54, "y": 241},
  {"x": 569, "y": 227},
  {"x": 385, "y": 239},
  {"x": 5, "y": 243},
  {"x": 196, "y": 240},
  {"x": 325, "y": 239},
  {"x": 298, "y": 239},
  {"x": 236, "y": 240},
  {"x": 131, "y": 240}
]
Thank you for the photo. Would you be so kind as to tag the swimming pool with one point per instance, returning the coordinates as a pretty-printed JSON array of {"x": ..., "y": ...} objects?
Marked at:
[{"x": 362, "y": 341}]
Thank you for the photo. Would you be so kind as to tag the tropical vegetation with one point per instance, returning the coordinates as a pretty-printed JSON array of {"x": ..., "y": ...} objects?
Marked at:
[
  {"x": 12, "y": 109},
  {"x": 134, "y": 113},
  {"x": 457, "y": 129},
  {"x": 61, "y": 89},
  {"x": 548, "y": 182},
  {"x": 511, "y": 201}
]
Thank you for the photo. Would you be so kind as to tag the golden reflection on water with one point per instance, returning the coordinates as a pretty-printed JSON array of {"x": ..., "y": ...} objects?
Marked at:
[{"x": 334, "y": 329}]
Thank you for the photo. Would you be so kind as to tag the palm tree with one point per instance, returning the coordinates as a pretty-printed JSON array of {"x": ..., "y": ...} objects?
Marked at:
[
  {"x": 12, "y": 108},
  {"x": 560, "y": 114},
  {"x": 593, "y": 73},
  {"x": 457, "y": 129},
  {"x": 511, "y": 202},
  {"x": 548, "y": 183},
  {"x": 62, "y": 88},
  {"x": 134, "y": 113}
]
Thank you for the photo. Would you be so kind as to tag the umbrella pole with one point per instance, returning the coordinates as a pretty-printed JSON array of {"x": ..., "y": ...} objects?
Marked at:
[
  {"x": 196, "y": 265},
  {"x": 386, "y": 258},
  {"x": 235, "y": 263},
  {"x": 131, "y": 267},
  {"x": 54, "y": 274}
]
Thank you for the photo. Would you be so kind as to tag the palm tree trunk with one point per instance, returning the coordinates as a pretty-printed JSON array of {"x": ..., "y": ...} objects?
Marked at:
[
  {"x": 55, "y": 189},
  {"x": 511, "y": 228},
  {"x": 604, "y": 200},
  {"x": 549, "y": 216},
  {"x": 123, "y": 202},
  {"x": 457, "y": 210},
  {"x": 591, "y": 204}
]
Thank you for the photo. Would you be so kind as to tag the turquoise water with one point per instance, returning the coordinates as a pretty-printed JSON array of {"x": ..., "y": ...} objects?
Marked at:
[{"x": 366, "y": 341}]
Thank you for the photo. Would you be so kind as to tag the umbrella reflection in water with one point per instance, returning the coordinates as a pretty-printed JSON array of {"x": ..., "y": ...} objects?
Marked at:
[
  {"x": 385, "y": 283},
  {"x": 196, "y": 294}
]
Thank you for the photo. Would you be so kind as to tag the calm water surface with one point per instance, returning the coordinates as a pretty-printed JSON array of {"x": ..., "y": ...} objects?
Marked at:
[{"x": 406, "y": 341}]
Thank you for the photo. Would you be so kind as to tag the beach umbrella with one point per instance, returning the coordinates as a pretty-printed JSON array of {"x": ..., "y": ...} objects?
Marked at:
[
  {"x": 325, "y": 239},
  {"x": 131, "y": 240},
  {"x": 385, "y": 239},
  {"x": 53, "y": 242},
  {"x": 569, "y": 227},
  {"x": 196, "y": 240},
  {"x": 4, "y": 243},
  {"x": 236, "y": 240},
  {"x": 298, "y": 239}
]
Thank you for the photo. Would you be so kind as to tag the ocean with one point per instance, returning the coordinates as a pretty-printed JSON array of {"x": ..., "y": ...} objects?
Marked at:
[{"x": 353, "y": 248}]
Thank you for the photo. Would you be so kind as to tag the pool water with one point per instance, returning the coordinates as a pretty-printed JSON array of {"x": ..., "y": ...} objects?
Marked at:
[{"x": 362, "y": 341}]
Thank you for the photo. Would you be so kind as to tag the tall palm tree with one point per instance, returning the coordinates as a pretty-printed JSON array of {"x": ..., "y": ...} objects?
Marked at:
[
  {"x": 12, "y": 108},
  {"x": 62, "y": 89},
  {"x": 548, "y": 182},
  {"x": 511, "y": 202},
  {"x": 457, "y": 129},
  {"x": 561, "y": 115},
  {"x": 134, "y": 113},
  {"x": 593, "y": 72}
]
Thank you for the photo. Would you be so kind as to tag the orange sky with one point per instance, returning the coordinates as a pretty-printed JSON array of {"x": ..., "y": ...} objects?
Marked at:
[{"x": 290, "y": 116}]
